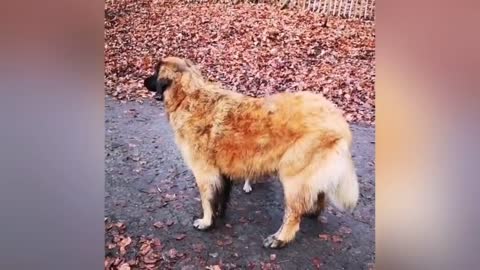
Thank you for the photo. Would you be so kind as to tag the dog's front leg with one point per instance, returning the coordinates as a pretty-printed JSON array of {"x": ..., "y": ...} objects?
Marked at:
[
  {"x": 207, "y": 195},
  {"x": 209, "y": 184}
]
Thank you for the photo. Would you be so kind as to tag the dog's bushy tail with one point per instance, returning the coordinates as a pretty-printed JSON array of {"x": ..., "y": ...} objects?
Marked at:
[{"x": 339, "y": 177}]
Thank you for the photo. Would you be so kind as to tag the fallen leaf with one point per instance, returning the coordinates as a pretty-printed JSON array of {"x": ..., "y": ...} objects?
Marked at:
[
  {"x": 108, "y": 226},
  {"x": 227, "y": 241},
  {"x": 108, "y": 262},
  {"x": 120, "y": 225},
  {"x": 145, "y": 248},
  {"x": 198, "y": 247},
  {"x": 117, "y": 261},
  {"x": 151, "y": 258},
  {"x": 324, "y": 237},
  {"x": 158, "y": 224},
  {"x": 124, "y": 266},
  {"x": 180, "y": 236},
  {"x": 157, "y": 243},
  {"x": 345, "y": 230},
  {"x": 151, "y": 266},
  {"x": 336, "y": 239},
  {"x": 172, "y": 253},
  {"x": 317, "y": 263},
  {"x": 123, "y": 244},
  {"x": 170, "y": 197},
  {"x": 273, "y": 257},
  {"x": 267, "y": 266}
]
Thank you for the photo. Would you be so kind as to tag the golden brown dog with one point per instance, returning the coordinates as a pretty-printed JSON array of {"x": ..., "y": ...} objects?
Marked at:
[{"x": 224, "y": 136}]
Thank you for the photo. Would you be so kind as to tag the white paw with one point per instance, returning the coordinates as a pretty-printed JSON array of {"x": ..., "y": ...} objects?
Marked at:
[
  {"x": 247, "y": 188},
  {"x": 202, "y": 224}
]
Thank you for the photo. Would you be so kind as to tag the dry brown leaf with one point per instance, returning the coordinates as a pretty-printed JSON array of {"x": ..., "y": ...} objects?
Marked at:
[
  {"x": 157, "y": 243},
  {"x": 180, "y": 236},
  {"x": 151, "y": 258},
  {"x": 337, "y": 239},
  {"x": 145, "y": 248},
  {"x": 317, "y": 263},
  {"x": 170, "y": 197},
  {"x": 123, "y": 244},
  {"x": 172, "y": 253},
  {"x": 345, "y": 230},
  {"x": 108, "y": 262},
  {"x": 121, "y": 226},
  {"x": 324, "y": 237},
  {"x": 117, "y": 261},
  {"x": 124, "y": 266},
  {"x": 158, "y": 224}
]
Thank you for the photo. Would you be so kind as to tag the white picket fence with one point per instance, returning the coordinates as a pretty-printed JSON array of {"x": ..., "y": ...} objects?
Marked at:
[{"x": 360, "y": 9}]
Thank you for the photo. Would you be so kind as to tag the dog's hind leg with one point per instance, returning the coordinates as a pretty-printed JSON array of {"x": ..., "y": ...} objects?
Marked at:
[
  {"x": 223, "y": 195},
  {"x": 298, "y": 202},
  {"x": 247, "y": 188},
  {"x": 318, "y": 207}
]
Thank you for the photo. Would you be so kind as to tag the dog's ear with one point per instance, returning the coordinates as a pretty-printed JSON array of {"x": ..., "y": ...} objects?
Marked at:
[
  {"x": 179, "y": 64},
  {"x": 151, "y": 83},
  {"x": 156, "y": 68}
]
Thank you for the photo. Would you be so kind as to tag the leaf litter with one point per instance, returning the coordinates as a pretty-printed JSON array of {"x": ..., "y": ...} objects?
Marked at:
[{"x": 256, "y": 50}]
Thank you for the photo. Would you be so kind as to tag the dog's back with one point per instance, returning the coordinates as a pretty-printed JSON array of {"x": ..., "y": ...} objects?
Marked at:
[{"x": 250, "y": 137}]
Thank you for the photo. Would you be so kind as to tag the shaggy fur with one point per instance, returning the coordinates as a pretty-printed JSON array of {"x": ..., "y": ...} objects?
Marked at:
[{"x": 225, "y": 136}]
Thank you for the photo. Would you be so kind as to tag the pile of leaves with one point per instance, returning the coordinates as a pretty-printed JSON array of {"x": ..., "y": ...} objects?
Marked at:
[
  {"x": 119, "y": 244},
  {"x": 255, "y": 49},
  {"x": 124, "y": 252}
]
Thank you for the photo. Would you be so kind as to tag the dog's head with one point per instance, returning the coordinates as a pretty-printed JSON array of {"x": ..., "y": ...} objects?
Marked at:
[{"x": 166, "y": 72}]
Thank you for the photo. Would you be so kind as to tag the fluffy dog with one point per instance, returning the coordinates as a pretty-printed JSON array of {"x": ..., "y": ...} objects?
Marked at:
[{"x": 225, "y": 136}]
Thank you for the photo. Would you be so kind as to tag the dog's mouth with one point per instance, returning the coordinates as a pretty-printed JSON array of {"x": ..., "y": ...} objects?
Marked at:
[{"x": 158, "y": 97}]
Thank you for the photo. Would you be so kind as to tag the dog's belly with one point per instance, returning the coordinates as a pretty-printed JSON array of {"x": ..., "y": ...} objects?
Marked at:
[{"x": 241, "y": 164}]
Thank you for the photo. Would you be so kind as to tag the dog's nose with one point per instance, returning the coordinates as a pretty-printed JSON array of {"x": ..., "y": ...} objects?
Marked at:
[{"x": 150, "y": 83}]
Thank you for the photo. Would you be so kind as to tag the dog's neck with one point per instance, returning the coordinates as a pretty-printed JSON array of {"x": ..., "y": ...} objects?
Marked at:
[
  {"x": 193, "y": 87},
  {"x": 176, "y": 95}
]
